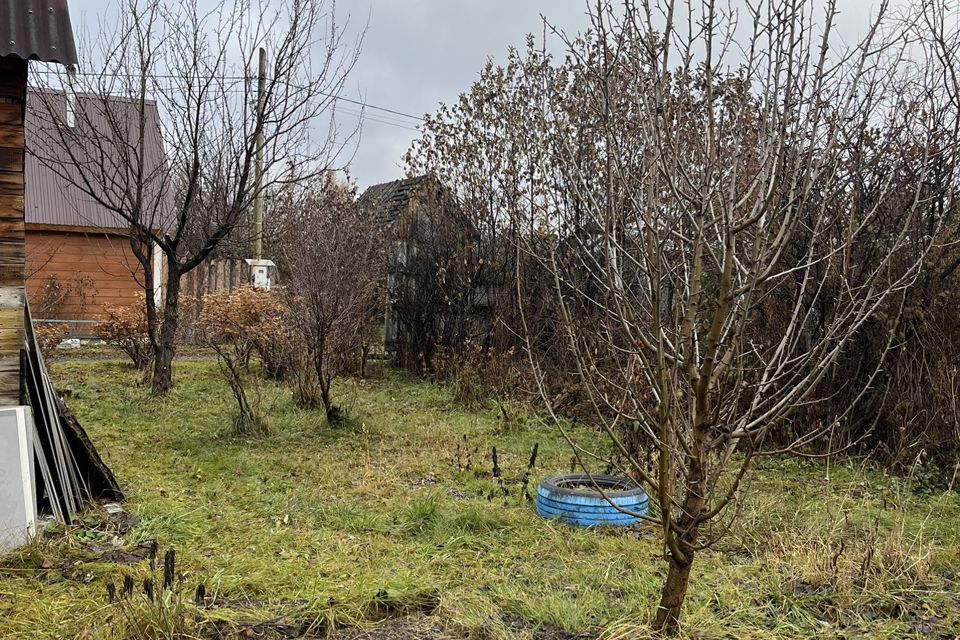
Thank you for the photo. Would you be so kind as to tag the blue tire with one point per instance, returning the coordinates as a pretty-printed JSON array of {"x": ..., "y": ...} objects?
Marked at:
[{"x": 573, "y": 499}]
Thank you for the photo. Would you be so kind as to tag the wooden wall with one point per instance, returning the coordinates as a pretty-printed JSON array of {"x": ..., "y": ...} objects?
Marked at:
[
  {"x": 92, "y": 271},
  {"x": 13, "y": 84}
]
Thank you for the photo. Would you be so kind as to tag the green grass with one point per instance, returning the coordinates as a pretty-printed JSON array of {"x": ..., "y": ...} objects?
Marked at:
[{"x": 329, "y": 526}]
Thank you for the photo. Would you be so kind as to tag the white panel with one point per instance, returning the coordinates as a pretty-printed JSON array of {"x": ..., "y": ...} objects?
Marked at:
[{"x": 18, "y": 514}]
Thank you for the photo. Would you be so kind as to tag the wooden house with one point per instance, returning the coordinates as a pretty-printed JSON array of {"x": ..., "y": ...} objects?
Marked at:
[
  {"x": 29, "y": 30},
  {"x": 398, "y": 205},
  {"x": 79, "y": 260},
  {"x": 439, "y": 283}
]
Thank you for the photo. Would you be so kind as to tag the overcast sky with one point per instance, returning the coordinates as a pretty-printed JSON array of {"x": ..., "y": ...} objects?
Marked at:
[{"x": 418, "y": 53}]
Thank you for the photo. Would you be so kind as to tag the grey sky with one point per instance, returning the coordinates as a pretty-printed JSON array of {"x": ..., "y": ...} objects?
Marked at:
[{"x": 418, "y": 53}]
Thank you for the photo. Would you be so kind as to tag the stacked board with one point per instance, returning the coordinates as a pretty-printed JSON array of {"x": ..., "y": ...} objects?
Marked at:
[{"x": 13, "y": 86}]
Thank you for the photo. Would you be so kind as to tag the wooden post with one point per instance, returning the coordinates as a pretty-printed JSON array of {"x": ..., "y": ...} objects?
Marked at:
[
  {"x": 13, "y": 88},
  {"x": 258, "y": 196}
]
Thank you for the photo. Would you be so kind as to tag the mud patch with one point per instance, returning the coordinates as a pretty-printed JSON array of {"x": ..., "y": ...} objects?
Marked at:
[{"x": 411, "y": 628}]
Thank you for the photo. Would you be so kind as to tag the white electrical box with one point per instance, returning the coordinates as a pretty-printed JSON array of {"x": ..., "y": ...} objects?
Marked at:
[
  {"x": 18, "y": 486},
  {"x": 260, "y": 273}
]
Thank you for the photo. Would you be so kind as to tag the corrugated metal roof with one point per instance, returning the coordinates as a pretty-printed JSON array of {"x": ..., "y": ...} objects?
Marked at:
[
  {"x": 37, "y": 30},
  {"x": 50, "y": 197}
]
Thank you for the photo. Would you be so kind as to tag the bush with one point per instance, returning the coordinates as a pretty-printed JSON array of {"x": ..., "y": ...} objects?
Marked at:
[
  {"x": 479, "y": 375},
  {"x": 55, "y": 294},
  {"x": 236, "y": 325},
  {"x": 48, "y": 337},
  {"x": 125, "y": 327},
  {"x": 331, "y": 257}
]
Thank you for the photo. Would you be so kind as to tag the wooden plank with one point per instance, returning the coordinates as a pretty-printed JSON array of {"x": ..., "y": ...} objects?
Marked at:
[
  {"x": 10, "y": 274},
  {"x": 11, "y": 137},
  {"x": 11, "y": 330},
  {"x": 11, "y": 244},
  {"x": 13, "y": 84},
  {"x": 11, "y": 206},
  {"x": 11, "y": 160},
  {"x": 11, "y": 227},
  {"x": 11, "y": 297},
  {"x": 11, "y": 184},
  {"x": 11, "y": 114}
]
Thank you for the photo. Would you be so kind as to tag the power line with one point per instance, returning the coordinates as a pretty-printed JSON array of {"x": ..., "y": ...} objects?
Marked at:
[
  {"x": 366, "y": 105},
  {"x": 370, "y": 118}
]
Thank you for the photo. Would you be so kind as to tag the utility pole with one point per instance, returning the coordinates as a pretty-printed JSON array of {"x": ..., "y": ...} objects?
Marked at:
[
  {"x": 259, "y": 268},
  {"x": 258, "y": 179}
]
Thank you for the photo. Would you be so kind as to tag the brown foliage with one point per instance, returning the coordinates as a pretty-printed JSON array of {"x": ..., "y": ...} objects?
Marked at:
[
  {"x": 236, "y": 324},
  {"x": 332, "y": 261},
  {"x": 56, "y": 292},
  {"x": 48, "y": 336},
  {"x": 125, "y": 327}
]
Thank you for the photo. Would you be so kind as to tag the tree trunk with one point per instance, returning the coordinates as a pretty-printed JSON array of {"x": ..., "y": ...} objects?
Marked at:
[
  {"x": 672, "y": 595},
  {"x": 325, "y": 398},
  {"x": 166, "y": 343}
]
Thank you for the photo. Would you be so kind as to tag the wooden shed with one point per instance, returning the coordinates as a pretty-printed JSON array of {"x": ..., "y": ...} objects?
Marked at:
[
  {"x": 398, "y": 205},
  {"x": 29, "y": 30},
  {"x": 79, "y": 260}
]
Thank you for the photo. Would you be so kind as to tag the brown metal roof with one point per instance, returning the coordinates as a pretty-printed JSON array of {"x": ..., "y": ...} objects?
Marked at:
[
  {"x": 51, "y": 198},
  {"x": 37, "y": 30}
]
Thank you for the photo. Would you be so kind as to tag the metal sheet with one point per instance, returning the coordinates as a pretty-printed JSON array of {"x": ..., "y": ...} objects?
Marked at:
[{"x": 37, "y": 30}]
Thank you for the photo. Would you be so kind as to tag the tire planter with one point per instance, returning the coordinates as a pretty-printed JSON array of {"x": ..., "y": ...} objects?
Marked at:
[{"x": 571, "y": 499}]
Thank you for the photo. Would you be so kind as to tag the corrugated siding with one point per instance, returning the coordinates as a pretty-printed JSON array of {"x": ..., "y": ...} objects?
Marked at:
[
  {"x": 37, "y": 30},
  {"x": 50, "y": 197}
]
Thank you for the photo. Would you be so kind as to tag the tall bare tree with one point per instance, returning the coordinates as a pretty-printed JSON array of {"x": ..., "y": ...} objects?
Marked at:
[
  {"x": 173, "y": 75},
  {"x": 720, "y": 204}
]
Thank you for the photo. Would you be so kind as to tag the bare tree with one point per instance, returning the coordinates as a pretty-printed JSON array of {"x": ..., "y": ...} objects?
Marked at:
[
  {"x": 693, "y": 186},
  {"x": 717, "y": 196},
  {"x": 172, "y": 76},
  {"x": 333, "y": 264}
]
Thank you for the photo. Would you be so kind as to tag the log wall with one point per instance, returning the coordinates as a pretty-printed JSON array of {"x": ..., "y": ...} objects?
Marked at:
[{"x": 13, "y": 85}]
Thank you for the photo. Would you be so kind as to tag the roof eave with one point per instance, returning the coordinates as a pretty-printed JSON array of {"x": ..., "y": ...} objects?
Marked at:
[{"x": 37, "y": 30}]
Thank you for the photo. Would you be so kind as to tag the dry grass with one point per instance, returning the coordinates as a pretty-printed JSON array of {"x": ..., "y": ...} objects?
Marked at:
[{"x": 314, "y": 527}]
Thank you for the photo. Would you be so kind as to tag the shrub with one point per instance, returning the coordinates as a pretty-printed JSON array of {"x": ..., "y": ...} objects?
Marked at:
[
  {"x": 55, "y": 293},
  {"x": 479, "y": 375},
  {"x": 301, "y": 377},
  {"x": 332, "y": 258},
  {"x": 236, "y": 324},
  {"x": 48, "y": 337},
  {"x": 125, "y": 327}
]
